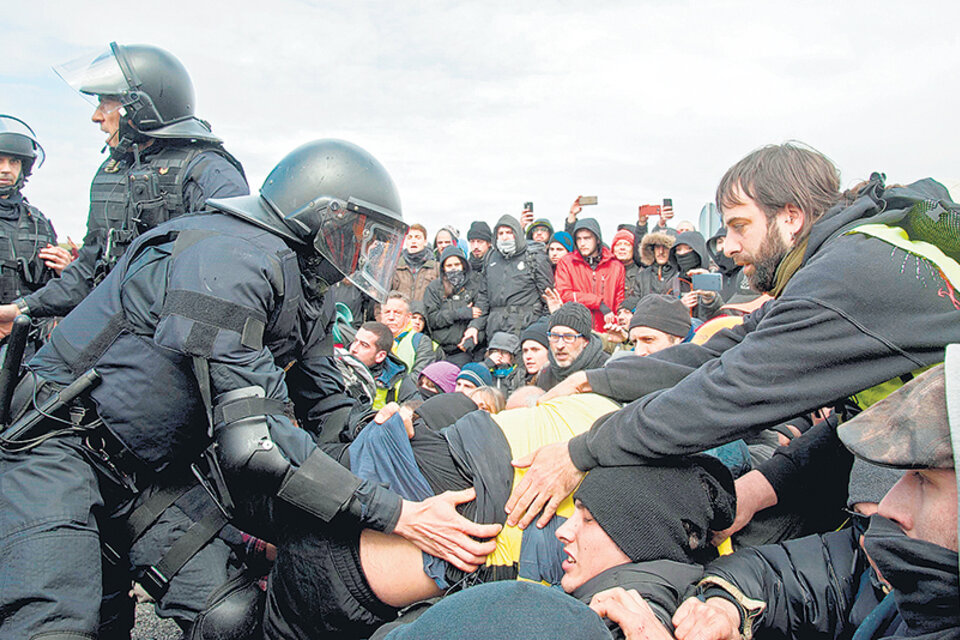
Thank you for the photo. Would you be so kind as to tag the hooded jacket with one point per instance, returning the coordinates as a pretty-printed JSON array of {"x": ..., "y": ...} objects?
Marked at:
[
  {"x": 600, "y": 288},
  {"x": 414, "y": 284},
  {"x": 682, "y": 283},
  {"x": 448, "y": 316},
  {"x": 732, "y": 273},
  {"x": 655, "y": 278},
  {"x": 856, "y": 313},
  {"x": 516, "y": 283}
]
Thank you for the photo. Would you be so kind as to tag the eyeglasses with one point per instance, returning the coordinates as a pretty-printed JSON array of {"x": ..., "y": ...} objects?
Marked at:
[{"x": 567, "y": 338}]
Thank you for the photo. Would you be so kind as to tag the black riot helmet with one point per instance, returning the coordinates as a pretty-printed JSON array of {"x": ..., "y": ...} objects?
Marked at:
[
  {"x": 336, "y": 201},
  {"x": 152, "y": 87},
  {"x": 19, "y": 141}
]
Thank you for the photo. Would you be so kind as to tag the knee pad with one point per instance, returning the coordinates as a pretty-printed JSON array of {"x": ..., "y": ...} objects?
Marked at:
[{"x": 234, "y": 612}]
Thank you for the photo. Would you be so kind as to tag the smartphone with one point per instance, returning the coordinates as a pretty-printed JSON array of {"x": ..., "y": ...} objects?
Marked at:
[
  {"x": 707, "y": 281},
  {"x": 587, "y": 200},
  {"x": 528, "y": 206},
  {"x": 650, "y": 210},
  {"x": 668, "y": 202}
]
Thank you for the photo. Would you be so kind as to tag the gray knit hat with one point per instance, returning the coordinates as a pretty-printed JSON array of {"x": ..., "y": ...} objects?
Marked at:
[
  {"x": 505, "y": 342},
  {"x": 663, "y": 313},
  {"x": 573, "y": 315}
]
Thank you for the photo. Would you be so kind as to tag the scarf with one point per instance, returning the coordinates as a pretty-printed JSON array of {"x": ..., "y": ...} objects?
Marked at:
[
  {"x": 415, "y": 260},
  {"x": 788, "y": 266}
]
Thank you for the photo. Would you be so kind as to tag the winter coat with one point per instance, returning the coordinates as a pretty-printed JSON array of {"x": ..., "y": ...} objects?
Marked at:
[
  {"x": 600, "y": 289},
  {"x": 655, "y": 278},
  {"x": 414, "y": 285},
  {"x": 631, "y": 277},
  {"x": 516, "y": 283},
  {"x": 682, "y": 282},
  {"x": 852, "y": 316},
  {"x": 448, "y": 316}
]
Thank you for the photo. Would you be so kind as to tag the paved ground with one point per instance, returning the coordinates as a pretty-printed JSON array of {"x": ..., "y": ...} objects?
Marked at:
[{"x": 150, "y": 627}]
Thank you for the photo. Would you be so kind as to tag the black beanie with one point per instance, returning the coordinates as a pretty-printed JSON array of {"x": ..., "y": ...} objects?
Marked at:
[
  {"x": 629, "y": 303},
  {"x": 573, "y": 315},
  {"x": 663, "y": 313},
  {"x": 662, "y": 512},
  {"x": 536, "y": 332},
  {"x": 480, "y": 230}
]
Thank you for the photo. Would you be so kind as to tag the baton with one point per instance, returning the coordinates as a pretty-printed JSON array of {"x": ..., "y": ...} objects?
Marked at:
[{"x": 10, "y": 373}]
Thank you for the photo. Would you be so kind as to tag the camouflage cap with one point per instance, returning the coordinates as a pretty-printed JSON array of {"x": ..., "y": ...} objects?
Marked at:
[{"x": 908, "y": 429}]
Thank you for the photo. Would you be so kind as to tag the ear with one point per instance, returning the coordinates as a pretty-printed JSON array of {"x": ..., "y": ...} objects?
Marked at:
[
  {"x": 380, "y": 357},
  {"x": 791, "y": 219}
]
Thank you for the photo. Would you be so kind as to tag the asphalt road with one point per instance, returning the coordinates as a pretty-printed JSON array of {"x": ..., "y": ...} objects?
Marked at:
[{"x": 149, "y": 627}]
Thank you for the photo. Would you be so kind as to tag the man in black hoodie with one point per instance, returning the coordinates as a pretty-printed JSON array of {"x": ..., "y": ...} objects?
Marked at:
[
  {"x": 456, "y": 305},
  {"x": 857, "y": 308},
  {"x": 689, "y": 254},
  {"x": 516, "y": 280}
]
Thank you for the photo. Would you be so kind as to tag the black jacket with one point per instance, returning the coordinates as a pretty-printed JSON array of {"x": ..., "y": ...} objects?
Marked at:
[
  {"x": 448, "y": 316},
  {"x": 682, "y": 282},
  {"x": 515, "y": 284},
  {"x": 852, "y": 316}
]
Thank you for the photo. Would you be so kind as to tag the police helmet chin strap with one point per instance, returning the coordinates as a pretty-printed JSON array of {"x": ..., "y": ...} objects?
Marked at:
[{"x": 951, "y": 379}]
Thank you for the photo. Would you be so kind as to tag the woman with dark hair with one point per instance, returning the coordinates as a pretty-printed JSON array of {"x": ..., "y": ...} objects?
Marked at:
[
  {"x": 447, "y": 236},
  {"x": 457, "y": 306}
]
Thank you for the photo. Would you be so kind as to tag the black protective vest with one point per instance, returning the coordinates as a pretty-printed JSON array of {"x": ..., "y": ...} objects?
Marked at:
[
  {"x": 21, "y": 271},
  {"x": 149, "y": 397},
  {"x": 129, "y": 198}
]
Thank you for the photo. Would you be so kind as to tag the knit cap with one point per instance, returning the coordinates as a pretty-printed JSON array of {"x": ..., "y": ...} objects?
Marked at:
[
  {"x": 563, "y": 238},
  {"x": 536, "y": 332},
  {"x": 573, "y": 315},
  {"x": 443, "y": 374},
  {"x": 476, "y": 373},
  {"x": 663, "y": 313},
  {"x": 622, "y": 234},
  {"x": 629, "y": 303},
  {"x": 664, "y": 511},
  {"x": 480, "y": 230}
]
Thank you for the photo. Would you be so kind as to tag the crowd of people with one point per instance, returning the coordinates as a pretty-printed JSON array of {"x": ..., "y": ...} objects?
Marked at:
[{"x": 294, "y": 414}]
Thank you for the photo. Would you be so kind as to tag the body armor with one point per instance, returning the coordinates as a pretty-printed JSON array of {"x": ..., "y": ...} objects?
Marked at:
[
  {"x": 128, "y": 197},
  {"x": 21, "y": 271}
]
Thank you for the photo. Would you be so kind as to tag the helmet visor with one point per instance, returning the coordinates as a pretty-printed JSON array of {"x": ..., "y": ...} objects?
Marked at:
[
  {"x": 97, "y": 74},
  {"x": 18, "y": 139},
  {"x": 363, "y": 242}
]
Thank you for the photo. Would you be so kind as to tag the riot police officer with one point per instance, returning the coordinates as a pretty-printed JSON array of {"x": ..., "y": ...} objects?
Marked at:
[
  {"x": 231, "y": 342},
  {"x": 163, "y": 162}
]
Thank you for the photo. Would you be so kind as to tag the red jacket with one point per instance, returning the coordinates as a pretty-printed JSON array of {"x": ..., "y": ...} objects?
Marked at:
[{"x": 599, "y": 290}]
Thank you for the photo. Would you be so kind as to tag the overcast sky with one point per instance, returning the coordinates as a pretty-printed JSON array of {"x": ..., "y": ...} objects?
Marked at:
[{"x": 477, "y": 107}]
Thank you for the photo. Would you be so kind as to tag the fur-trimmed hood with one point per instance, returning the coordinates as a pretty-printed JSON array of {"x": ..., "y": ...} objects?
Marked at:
[{"x": 649, "y": 241}]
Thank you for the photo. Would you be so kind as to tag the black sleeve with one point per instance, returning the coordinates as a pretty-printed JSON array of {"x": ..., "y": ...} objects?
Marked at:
[
  {"x": 807, "y": 584},
  {"x": 59, "y": 296}
]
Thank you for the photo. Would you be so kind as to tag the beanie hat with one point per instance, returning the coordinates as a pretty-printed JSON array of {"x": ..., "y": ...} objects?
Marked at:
[
  {"x": 662, "y": 512},
  {"x": 622, "y": 234},
  {"x": 505, "y": 342},
  {"x": 563, "y": 238},
  {"x": 480, "y": 230},
  {"x": 536, "y": 332},
  {"x": 573, "y": 315},
  {"x": 663, "y": 313},
  {"x": 443, "y": 374},
  {"x": 539, "y": 222},
  {"x": 476, "y": 373}
]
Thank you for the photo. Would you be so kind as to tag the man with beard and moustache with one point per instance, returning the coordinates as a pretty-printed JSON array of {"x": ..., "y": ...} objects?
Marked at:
[
  {"x": 417, "y": 267},
  {"x": 480, "y": 241},
  {"x": 164, "y": 161},
  {"x": 517, "y": 279},
  {"x": 850, "y": 317},
  {"x": 573, "y": 347}
]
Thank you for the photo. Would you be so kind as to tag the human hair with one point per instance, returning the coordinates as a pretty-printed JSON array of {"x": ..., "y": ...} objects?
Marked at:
[
  {"x": 383, "y": 333},
  {"x": 418, "y": 227},
  {"x": 775, "y": 176},
  {"x": 489, "y": 398},
  {"x": 398, "y": 295}
]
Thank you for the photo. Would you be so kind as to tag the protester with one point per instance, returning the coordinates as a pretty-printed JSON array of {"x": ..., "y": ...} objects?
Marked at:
[
  {"x": 472, "y": 376},
  {"x": 849, "y": 287},
  {"x": 540, "y": 230},
  {"x": 560, "y": 245},
  {"x": 622, "y": 247},
  {"x": 413, "y": 348},
  {"x": 438, "y": 377},
  {"x": 373, "y": 347},
  {"x": 689, "y": 254},
  {"x": 659, "y": 322},
  {"x": 502, "y": 359},
  {"x": 480, "y": 240},
  {"x": 573, "y": 347},
  {"x": 658, "y": 273},
  {"x": 447, "y": 236},
  {"x": 591, "y": 275},
  {"x": 535, "y": 349},
  {"x": 489, "y": 399},
  {"x": 457, "y": 307},
  {"x": 516, "y": 280},
  {"x": 417, "y": 266}
]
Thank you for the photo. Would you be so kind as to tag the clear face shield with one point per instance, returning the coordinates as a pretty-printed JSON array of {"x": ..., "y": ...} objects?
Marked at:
[
  {"x": 363, "y": 242},
  {"x": 95, "y": 75}
]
